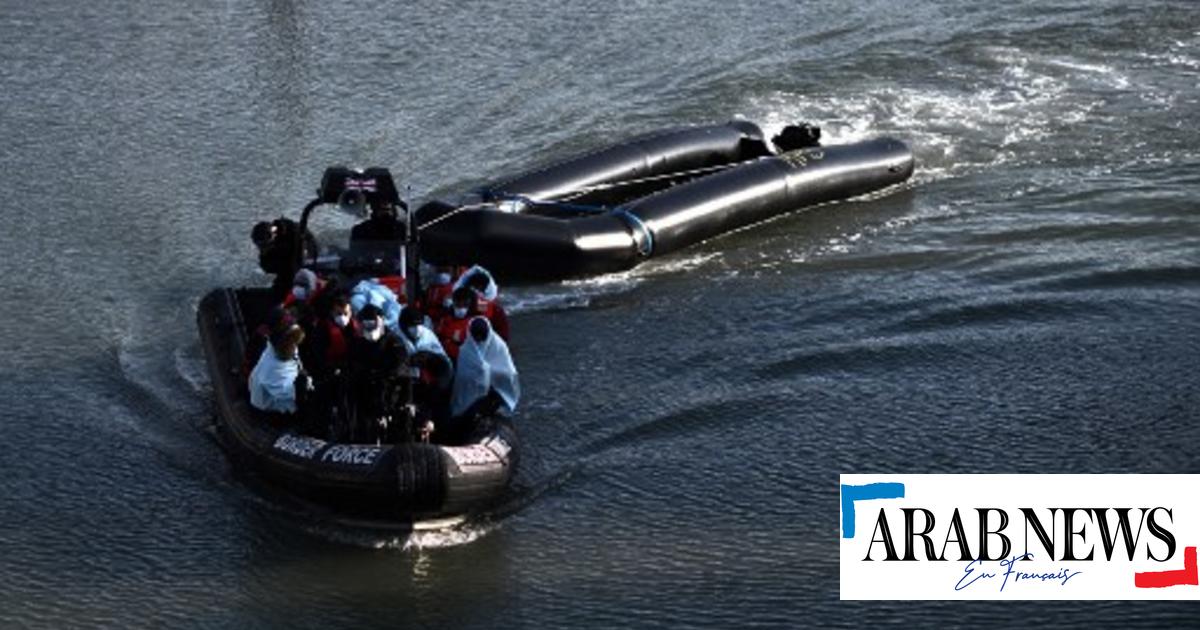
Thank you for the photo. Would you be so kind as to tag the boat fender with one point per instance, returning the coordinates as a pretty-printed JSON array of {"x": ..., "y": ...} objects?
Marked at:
[
  {"x": 642, "y": 236},
  {"x": 421, "y": 476}
]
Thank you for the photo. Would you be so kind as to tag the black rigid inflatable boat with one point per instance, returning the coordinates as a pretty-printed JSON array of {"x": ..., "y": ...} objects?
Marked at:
[
  {"x": 609, "y": 210},
  {"x": 399, "y": 482}
]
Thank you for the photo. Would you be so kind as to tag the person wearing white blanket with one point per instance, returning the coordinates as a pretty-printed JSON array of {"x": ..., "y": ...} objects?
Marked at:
[{"x": 485, "y": 379}]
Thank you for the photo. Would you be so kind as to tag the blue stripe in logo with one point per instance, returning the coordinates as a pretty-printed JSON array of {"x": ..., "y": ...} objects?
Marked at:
[{"x": 850, "y": 494}]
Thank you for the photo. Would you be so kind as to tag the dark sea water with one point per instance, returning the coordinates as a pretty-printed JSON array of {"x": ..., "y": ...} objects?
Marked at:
[{"x": 1028, "y": 303}]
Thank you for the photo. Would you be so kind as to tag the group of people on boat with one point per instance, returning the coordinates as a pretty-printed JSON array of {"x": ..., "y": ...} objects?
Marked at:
[{"x": 360, "y": 363}]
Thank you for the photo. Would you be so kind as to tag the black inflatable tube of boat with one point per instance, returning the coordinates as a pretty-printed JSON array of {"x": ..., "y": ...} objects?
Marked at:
[
  {"x": 762, "y": 189},
  {"x": 534, "y": 246},
  {"x": 529, "y": 246},
  {"x": 664, "y": 152}
]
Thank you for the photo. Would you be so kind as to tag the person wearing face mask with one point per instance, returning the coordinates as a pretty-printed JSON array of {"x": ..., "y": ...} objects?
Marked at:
[
  {"x": 452, "y": 329},
  {"x": 305, "y": 285},
  {"x": 376, "y": 356},
  {"x": 437, "y": 299},
  {"x": 416, "y": 336},
  {"x": 430, "y": 367},
  {"x": 278, "y": 377},
  {"x": 485, "y": 382},
  {"x": 306, "y": 288},
  {"x": 487, "y": 298},
  {"x": 309, "y": 299},
  {"x": 328, "y": 349},
  {"x": 326, "y": 355}
]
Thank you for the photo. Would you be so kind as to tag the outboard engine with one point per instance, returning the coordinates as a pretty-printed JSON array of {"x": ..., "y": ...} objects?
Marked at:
[{"x": 802, "y": 136}]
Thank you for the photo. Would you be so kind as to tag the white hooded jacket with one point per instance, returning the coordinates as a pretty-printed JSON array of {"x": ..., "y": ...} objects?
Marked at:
[{"x": 481, "y": 368}]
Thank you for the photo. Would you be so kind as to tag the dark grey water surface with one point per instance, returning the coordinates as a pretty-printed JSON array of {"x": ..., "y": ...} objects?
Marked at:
[{"x": 1027, "y": 304}]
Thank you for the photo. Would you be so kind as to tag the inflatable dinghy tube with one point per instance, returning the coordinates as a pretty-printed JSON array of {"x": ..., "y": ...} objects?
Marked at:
[
  {"x": 590, "y": 179},
  {"x": 579, "y": 218}
]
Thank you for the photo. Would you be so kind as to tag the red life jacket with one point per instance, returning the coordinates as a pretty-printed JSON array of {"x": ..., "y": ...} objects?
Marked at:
[
  {"x": 338, "y": 351},
  {"x": 494, "y": 313},
  {"x": 396, "y": 284},
  {"x": 436, "y": 300},
  {"x": 452, "y": 332},
  {"x": 291, "y": 297}
]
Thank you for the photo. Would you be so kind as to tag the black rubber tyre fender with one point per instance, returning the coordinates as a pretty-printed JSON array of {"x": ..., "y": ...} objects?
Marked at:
[{"x": 420, "y": 476}]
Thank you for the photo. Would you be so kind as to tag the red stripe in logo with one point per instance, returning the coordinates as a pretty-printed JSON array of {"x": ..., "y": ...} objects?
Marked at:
[{"x": 1163, "y": 579}]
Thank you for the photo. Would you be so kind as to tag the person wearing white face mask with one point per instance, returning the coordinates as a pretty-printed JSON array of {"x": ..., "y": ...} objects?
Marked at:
[
  {"x": 328, "y": 347},
  {"x": 308, "y": 300},
  {"x": 436, "y": 301},
  {"x": 429, "y": 367},
  {"x": 487, "y": 298},
  {"x": 452, "y": 330},
  {"x": 376, "y": 355},
  {"x": 308, "y": 304},
  {"x": 305, "y": 287},
  {"x": 374, "y": 349},
  {"x": 326, "y": 354},
  {"x": 416, "y": 336}
]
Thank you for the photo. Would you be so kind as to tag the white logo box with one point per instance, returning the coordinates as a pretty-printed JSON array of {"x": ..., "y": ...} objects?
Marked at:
[{"x": 1157, "y": 507}]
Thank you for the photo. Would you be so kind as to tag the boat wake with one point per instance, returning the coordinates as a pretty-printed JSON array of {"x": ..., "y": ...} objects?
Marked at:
[
  {"x": 1011, "y": 114},
  {"x": 418, "y": 536}
]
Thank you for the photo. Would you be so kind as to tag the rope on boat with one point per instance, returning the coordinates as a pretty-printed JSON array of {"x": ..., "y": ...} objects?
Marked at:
[
  {"x": 583, "y": 190},
  {"x": 638, "y": 228},
  {"x": 529, "y": 201},
  {"x": 473, "y": 206}
]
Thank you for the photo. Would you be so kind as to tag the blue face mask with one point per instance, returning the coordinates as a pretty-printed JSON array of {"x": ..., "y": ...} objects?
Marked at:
[
  {"x": 412, "y": 332},
  {"x": 460, "y": 312},
  {"x": 300, "y": 293}
]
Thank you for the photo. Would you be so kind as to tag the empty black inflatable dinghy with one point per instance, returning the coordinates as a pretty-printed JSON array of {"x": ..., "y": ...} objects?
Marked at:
[{"x": 612, "y": 209}]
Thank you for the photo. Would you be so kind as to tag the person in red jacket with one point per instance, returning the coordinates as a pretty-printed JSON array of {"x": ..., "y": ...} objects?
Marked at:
[
  {"x": 326, "y": 354},
  {"x": 436, "y": 301},
  {"x": 328, "y": 348},
  {"x": 452, "y": 329},
  {"x": 306, "y": 300},
  {"x": 487, "y": 298}
]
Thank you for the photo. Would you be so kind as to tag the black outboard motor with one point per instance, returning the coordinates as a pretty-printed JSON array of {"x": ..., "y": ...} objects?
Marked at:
[{"x": 802, "y": 136}]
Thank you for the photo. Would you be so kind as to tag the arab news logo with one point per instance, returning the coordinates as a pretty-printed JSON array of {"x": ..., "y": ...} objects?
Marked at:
[{"x": 1156, "y": 521}]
